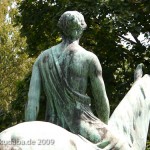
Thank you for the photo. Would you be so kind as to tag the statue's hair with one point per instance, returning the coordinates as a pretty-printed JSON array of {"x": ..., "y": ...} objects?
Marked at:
[{"x": 71, "y": 21}]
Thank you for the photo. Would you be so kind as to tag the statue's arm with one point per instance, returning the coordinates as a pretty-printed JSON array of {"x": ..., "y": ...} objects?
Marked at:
[
  {"x": 32, "y": 107},
  {"x": 98, "y": 90}
]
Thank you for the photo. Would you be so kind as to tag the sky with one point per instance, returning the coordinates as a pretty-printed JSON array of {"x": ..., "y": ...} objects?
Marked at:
[{"x": 141, "y": 38}]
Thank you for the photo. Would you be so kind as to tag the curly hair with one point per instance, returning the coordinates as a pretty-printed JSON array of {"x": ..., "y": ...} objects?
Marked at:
[{"x": 72, "y": 24}]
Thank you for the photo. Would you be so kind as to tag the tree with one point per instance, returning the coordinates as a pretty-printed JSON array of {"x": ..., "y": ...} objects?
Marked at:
[
  {"x": 108, "y": 23},
  {"x": 14, "y": 63}
]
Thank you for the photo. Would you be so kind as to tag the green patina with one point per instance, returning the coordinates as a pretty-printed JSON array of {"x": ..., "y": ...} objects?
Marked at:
[{"x": 63, "y": 71}]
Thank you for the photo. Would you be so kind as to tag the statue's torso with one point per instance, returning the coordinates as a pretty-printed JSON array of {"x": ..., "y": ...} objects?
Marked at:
[
  {"x": 65, "y": 75},
  {"x": 74, "y": 63}
]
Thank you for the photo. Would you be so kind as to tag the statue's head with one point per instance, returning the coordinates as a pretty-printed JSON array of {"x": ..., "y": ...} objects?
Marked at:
[{"x": 72, "y": 24}]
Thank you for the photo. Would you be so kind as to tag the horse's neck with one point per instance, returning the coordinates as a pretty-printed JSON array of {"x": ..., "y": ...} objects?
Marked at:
[{"x": 131, "y": 117}]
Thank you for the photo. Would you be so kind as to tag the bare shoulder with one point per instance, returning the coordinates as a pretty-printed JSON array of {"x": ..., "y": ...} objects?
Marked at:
[
  {"x": 92, "y": 57},
  {"x": 95, "y": 66}
]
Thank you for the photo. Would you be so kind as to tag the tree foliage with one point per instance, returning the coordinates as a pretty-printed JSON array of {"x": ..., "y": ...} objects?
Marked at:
[
  {"x": 108, "y": 23},
  {"x": 14, "y": 62}
]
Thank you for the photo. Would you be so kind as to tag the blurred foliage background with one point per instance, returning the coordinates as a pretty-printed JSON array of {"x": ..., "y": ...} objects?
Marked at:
[{"x": 118, "y": 33}]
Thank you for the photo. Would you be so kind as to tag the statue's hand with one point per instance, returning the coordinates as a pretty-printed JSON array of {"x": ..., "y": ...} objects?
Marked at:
[
  {"x": 113, "y": 141},
  {"x": 117, "y": 144}
]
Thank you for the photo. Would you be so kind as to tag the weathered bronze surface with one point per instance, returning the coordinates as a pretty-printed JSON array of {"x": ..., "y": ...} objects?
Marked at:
[{"x": 63, "y": 71}]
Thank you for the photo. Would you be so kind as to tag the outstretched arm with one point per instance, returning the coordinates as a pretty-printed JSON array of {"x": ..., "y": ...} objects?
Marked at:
[
  {"x": 32, "y": 108},
  {"x": 98, "y": 90}
]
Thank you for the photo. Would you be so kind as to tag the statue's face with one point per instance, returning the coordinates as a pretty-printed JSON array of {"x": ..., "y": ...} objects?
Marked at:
[{"x": 72, "y": 24}]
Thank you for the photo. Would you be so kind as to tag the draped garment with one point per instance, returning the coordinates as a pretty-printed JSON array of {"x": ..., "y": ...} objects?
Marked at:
[{"x": 65, "y": 106}]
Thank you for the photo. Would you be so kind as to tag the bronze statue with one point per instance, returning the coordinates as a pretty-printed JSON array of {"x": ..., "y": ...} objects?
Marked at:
[{"x": 63, "y": 72}]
